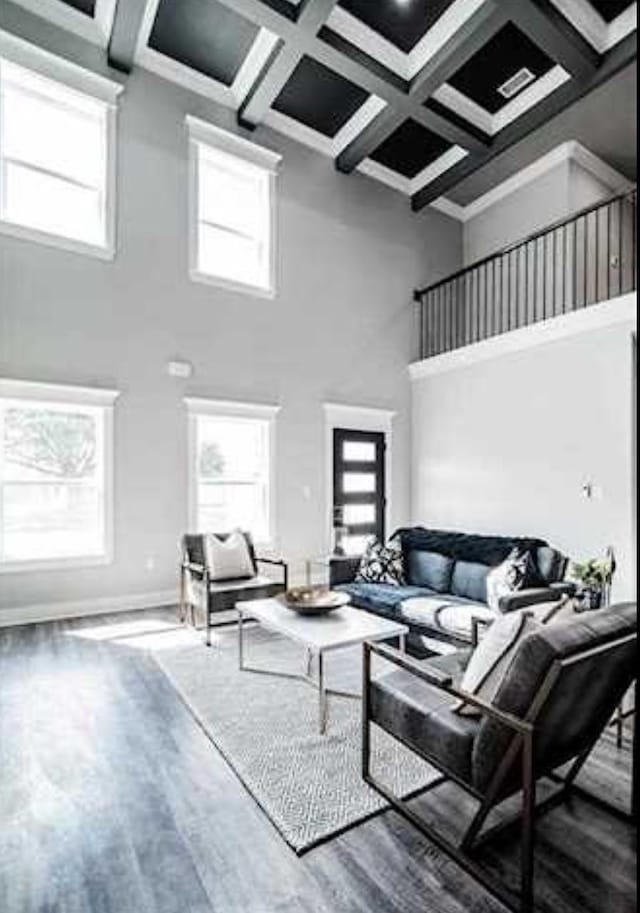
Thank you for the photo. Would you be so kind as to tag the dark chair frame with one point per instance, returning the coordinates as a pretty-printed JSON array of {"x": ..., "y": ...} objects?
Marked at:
[
  {"x": 523, "y": 741},
  {"x": 240, "y": 589}
]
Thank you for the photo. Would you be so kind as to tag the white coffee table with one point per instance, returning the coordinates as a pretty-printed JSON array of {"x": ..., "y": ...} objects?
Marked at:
[{"x": 318, "y": 634}]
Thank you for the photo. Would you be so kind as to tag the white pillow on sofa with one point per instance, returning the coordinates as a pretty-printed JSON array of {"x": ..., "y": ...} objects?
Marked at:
[
  {"x": 492, "y": 657},
  {"x": 228, "y": 559}
]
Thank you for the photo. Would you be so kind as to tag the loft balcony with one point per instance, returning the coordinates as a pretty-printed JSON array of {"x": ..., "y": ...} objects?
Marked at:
[{"x": 586, "y": 259}]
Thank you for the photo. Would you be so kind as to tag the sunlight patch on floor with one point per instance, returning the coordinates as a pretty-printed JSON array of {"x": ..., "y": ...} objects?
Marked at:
[{"x": 144, "y": 634}]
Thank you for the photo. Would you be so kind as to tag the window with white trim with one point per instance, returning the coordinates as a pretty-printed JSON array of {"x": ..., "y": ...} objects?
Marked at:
[
  {"x": 231, "y": 473},
  {"x": 232, "y": 230},
  {"x": 56, "y": 144},
  {"x": 55, "y": 476}
]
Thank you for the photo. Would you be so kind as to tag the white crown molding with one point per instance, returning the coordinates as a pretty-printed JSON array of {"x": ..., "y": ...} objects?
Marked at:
[
  {"x": 11, "y": 388},
  {"x": 53, "y": 611},
  {"x": 406, "y": 65},
  {"x": 32, "y": 57},
  {"x": 96, "y": 29},
  {"x": 600, "y": 34},
  {"x": 620, "y": 310},
  {"x": 492, "y": 124},
  {"x": 329, "y": 146},
  {"x": 198, "y": 405},
  {"x": 168, "y": 68},
  {"x": 253, "y": 63},
  {"x": 449, "y": 208},
  {"x": 409, "y": 186},
  {"x": 571, "y": 151}
]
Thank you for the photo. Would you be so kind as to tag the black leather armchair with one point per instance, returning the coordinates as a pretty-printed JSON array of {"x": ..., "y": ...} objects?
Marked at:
[
  {"x": 559, "y": 694},
  {"x": 198, "y": 593}
]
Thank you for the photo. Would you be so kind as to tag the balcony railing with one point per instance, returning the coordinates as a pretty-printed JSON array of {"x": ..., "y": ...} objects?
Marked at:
[{"x": 573, "y": 264}]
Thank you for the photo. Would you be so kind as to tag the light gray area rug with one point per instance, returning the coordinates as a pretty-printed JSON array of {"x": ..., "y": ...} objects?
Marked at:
[{"x": 308, "y": 784}]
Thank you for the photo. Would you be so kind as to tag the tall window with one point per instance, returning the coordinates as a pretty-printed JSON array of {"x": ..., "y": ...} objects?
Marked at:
[
  {"x": 232, "y": 210},
  {"x": 232, "y": 468},
  {"x": 55, "y": 475},
  {"x": 56, "y": 148}
]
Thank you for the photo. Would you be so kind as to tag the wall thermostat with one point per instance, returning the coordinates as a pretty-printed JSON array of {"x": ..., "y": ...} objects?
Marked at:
[{"x": 180, "y": 369}]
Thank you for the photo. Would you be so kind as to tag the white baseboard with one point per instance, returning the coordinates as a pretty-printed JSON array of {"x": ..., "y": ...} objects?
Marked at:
[{"x": 53, "y": 611}]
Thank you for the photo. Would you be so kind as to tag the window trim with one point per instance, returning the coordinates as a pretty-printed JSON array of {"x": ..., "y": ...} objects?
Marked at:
[
  {"x": 98, "y": 88},
  {"x": 200, "y": 132},
  {"x": 35, "y": 393},
  {"x": 198, "y": 407}
]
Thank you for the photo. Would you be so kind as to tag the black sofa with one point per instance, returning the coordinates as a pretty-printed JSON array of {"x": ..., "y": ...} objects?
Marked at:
[{"x": 445, "y": 585}]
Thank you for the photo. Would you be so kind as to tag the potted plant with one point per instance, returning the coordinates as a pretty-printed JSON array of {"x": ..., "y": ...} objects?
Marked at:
[{"x": 593, "y": 578}]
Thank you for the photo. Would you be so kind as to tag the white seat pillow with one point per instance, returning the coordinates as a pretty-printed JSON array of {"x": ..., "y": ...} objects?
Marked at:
[
  {"x": 228, "y": 559},
  {"x": 492, "y": 657},
  {"x": 438, "y": 612}
]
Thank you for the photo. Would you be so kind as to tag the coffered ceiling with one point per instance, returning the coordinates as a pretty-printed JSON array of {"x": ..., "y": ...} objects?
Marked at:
[{"x": 418, "y": 94}]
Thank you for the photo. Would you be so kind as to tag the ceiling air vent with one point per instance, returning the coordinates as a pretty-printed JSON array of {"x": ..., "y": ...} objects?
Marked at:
[{"x": 515, "y": 83}]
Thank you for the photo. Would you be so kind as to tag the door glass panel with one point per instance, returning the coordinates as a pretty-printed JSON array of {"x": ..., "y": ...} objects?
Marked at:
[
  {"x": 359, "y": 513},
  {"x": 363, "y": 482},
  {"x": 355, "y": 545},
  {"x": 359, "y": 451}
]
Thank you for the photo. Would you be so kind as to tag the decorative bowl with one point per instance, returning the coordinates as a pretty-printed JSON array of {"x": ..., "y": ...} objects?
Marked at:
[{"x": 314, "y": 600}]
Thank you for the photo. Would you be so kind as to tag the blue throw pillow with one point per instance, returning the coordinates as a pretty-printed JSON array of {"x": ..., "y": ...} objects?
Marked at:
[
  {"x": 429, "y": 569},
  {"x": 469, "y": 579}
]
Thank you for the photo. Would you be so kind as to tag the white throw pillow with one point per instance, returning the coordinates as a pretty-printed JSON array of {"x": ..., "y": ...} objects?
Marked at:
[
  {"x": 228, "y": 559},
  {"x": 492, "y": 657},
  {"x": 516, "y": 572}
]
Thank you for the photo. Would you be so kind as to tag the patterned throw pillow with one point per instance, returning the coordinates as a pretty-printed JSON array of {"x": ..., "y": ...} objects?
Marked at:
[
  {"x": 517, "y": 572},
  {"x": 381, "y": 564}
]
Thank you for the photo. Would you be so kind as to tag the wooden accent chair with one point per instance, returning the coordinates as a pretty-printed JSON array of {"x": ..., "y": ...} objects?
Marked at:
[
  {"x": 198, "y": 593},
  {"x": 560, "y": 691}
]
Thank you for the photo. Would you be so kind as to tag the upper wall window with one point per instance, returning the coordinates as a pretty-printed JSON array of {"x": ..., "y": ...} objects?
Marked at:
[
  {"x": 57, "y": 149},
  {"x": 232, "y": 224},
  {"x": 56, "y": 498}
]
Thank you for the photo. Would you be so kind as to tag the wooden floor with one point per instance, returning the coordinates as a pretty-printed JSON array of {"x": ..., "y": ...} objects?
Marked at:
[{"x": 112, "y": 800}]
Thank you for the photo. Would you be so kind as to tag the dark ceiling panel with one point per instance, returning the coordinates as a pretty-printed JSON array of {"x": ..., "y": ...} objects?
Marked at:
[
  {"x": 499, "y": 59},
  {"x": 84, "y": 6},
  {"x": 402, "y": 23},
  {"x": 319, "y": 98},
  {"x": 204, "y": 35},
  {"x": 609, "y": 9},
  {"x": 410, "y": 149}
]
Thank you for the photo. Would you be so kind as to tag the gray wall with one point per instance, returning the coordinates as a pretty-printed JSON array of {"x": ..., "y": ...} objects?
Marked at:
[
  {"x": 349, "y": 254},
  {"x": 561, "y": 191},
  {"x": 504, "y": 446},
  {"x": 522, "y": 213}
]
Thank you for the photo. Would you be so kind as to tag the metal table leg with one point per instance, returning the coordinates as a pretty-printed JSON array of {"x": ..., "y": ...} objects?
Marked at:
[
  {"x": 240, "y": 639},
  {"x": 322, "y": 695}
]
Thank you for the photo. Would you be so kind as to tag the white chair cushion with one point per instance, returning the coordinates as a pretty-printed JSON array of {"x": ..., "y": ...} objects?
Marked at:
[{"x": 228, "y": 559}]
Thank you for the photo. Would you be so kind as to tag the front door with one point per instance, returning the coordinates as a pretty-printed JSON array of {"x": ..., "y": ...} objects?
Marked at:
[{"x": 359, "y": 500}]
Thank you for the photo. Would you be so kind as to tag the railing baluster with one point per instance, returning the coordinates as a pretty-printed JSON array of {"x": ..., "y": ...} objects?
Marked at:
[
  {"x": 634, "y": 258},
  {"x": 597, "y": 255},
  {"x": 565, "y": 268},
  {"x": 585, "y": 242},
  {"x": 620, "y": 247},
  {"x": 574, "y": 295},
  {"x": 609, "y": 251},
  {"x": 555, "y": 272}
]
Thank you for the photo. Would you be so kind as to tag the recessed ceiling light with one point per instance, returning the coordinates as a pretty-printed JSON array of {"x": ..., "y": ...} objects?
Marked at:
[{"x": 516, "y": 83}]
